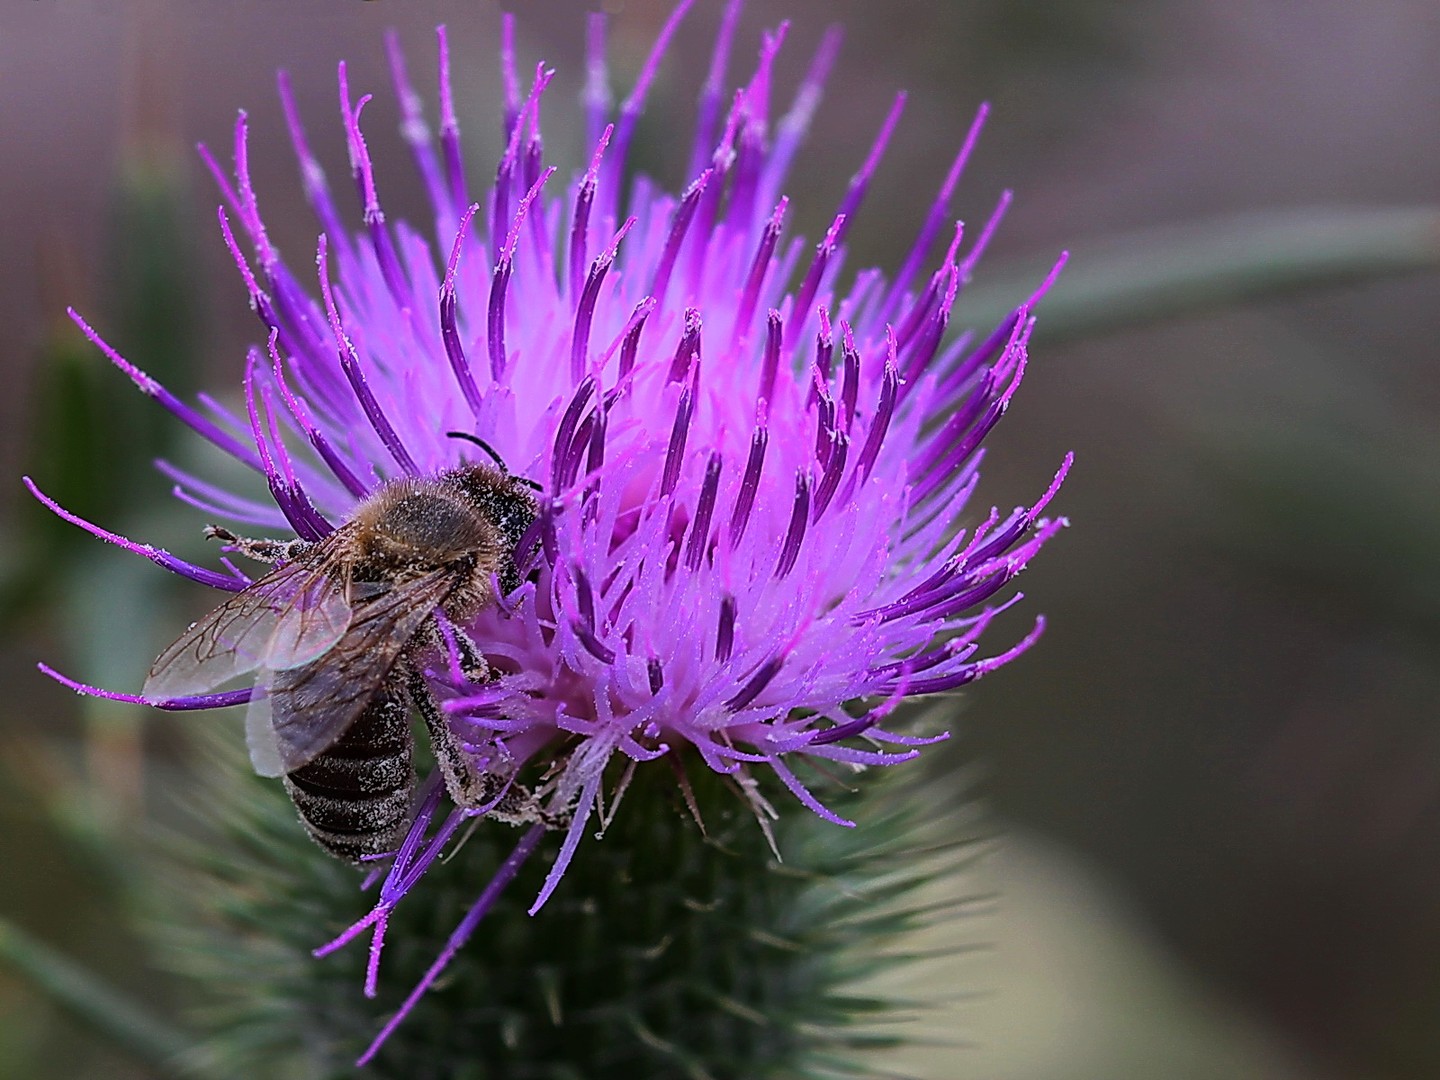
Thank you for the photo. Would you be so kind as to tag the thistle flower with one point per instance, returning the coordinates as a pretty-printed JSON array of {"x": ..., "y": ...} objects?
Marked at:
[{"x": 754, "y": 467}]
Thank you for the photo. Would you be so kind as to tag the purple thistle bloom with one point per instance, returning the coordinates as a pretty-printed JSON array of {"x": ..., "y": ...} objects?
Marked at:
[{"x": 752, "y": 464}]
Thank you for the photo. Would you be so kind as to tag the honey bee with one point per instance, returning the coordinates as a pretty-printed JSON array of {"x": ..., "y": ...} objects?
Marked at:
[{"x": 332, "y": 634}]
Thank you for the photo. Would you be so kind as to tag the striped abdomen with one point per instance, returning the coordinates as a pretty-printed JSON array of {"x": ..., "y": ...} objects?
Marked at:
[{"x": 356, "y": 797}]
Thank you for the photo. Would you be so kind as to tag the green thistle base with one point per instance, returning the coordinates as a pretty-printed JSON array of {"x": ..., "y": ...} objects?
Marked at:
[{"x": 666, "y": 952}]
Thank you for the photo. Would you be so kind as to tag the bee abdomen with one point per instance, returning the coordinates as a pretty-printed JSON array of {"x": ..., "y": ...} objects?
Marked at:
[{"x": 355, "y": 799}]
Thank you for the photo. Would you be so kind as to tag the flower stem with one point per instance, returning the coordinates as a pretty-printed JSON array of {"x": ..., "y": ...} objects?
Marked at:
[{"x": 1174, "y": 270}]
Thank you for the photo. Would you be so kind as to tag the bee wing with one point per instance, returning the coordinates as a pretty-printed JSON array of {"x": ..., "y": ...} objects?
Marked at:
[
  {"x": 309, "y": 706},
  {"x": 288, "y": 618}
]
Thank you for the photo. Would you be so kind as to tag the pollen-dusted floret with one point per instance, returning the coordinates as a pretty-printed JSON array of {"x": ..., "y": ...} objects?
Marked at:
[{"x": 753, "y": 532}]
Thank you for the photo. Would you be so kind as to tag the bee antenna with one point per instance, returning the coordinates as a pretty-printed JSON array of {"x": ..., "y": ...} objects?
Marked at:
[
  {"x": 494, "y": 456},
  {"x": 483, "y": 446}
]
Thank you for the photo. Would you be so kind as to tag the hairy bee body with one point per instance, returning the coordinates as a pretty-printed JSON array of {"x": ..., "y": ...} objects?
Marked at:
[
  {"x": 355, "y": 799},
  {"x": 332, "y": 634}
]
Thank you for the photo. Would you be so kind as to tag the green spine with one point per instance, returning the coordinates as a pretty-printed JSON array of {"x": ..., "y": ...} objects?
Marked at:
[{"x": 665, "y": 952}]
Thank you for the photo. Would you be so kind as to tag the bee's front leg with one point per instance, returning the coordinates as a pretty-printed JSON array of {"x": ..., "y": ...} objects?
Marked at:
[
  {"x": 472, "y": 661},
  {"x": 261, "y": 550},
  {"x": 463, "y": 656}
]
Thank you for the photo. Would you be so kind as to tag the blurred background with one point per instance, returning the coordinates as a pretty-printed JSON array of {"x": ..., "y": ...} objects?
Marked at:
[{"x": 1217, "y": 780}]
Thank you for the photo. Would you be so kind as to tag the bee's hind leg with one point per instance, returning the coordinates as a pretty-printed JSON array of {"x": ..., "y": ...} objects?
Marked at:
[
  {"x": 468, "y": 786},
  {"x": 261, "y": 550}
]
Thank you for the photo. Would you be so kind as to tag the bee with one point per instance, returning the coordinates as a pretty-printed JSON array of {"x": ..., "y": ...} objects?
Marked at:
[{"x": 332, "y": 634}]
